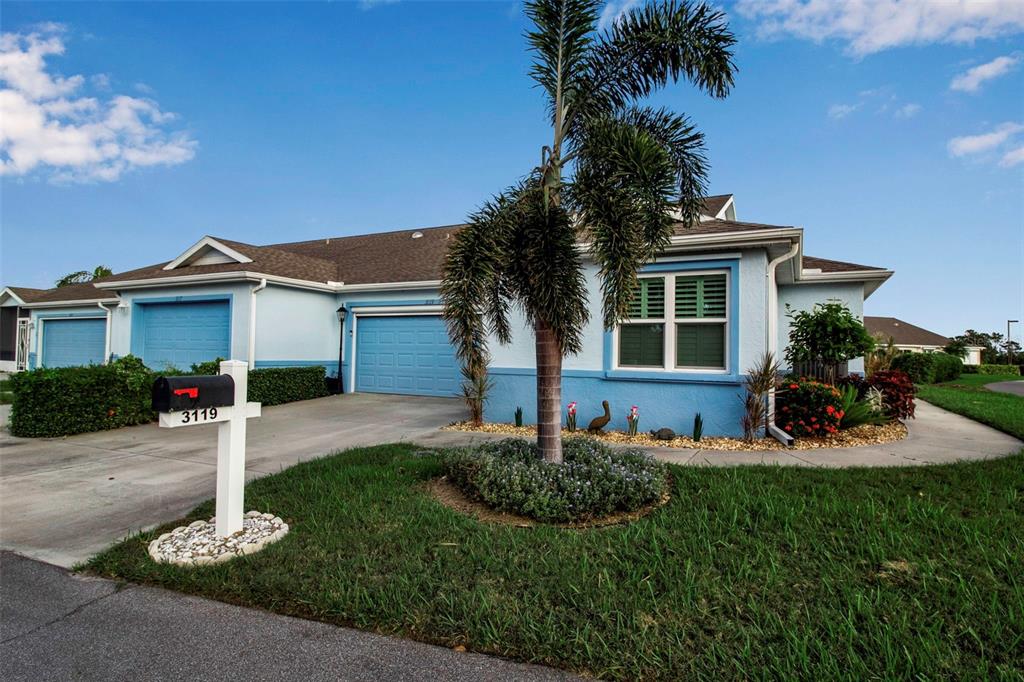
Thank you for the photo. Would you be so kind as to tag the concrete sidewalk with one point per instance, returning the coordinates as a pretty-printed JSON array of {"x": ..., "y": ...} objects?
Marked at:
[
  {"x": 60, "y": 626},
  {"x": 934, "y": 436},
  {"x": 64, "y": 499}
]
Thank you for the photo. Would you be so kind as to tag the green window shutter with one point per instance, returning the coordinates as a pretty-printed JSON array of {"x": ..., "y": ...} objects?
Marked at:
[
  {"x": 648, "y": 299},
  {"x": 700, "y": 345},
  {"x": 700, "y": 296},
  {"x": 642, "y": 345}
]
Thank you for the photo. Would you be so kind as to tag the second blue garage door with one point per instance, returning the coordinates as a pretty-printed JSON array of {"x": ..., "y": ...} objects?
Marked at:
[
  {"x": 180, "y": 334},
  {"x": 410, "y": 355}
]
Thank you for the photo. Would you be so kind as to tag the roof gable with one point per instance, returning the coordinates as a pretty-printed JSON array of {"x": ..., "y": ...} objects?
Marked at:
[{"x": 208, "y": 251}]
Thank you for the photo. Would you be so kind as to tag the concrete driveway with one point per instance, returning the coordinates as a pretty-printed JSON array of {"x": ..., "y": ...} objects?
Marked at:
[
  {"x": 1011, "y": 387},
  {"x": 64, "y": 499}
]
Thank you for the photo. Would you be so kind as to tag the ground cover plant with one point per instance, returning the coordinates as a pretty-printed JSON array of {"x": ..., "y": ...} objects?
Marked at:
[
  {"x": 751, "y": 572},
  {"x": 969, "y": 397},
  {"x": 593, "y": 481}
]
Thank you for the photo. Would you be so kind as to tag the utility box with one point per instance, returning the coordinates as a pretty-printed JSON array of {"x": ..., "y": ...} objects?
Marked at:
[{"x": 177, "y": 394}]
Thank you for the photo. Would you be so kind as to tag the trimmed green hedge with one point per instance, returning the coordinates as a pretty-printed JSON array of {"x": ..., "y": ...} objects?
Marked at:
[
  {"x": 929, "y": 368},
  {"x": 999, "y": 369},
  {"x": 60, "y": 402},
  {"x": 67, "y": 400},
  {"x": 277, "y": 385}
]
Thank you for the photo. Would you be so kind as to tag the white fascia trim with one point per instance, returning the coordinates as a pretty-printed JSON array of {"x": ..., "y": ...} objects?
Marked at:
[
  {"x": 159, "y": 282},
  {"x": 387, "y": 286},
  {"x": 10, "y": 292},
  {"x": 746, "y": 237},
  {"x": 809, "y": 277},
  {"x": 85, "y": 303},
  {"x": 399, "y": 310},
  {"x": 213, "y": 244}
]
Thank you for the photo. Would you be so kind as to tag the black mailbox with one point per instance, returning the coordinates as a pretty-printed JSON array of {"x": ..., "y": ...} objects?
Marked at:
[{"x": 174, "y": 394}]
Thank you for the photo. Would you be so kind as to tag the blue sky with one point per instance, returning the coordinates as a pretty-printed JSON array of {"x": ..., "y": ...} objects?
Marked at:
[{"x": 894, "y": 139}]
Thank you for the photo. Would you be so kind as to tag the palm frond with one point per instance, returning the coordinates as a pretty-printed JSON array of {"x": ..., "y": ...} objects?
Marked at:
[
  {"x": 685, "y": 146},
  {"x": 624, "y": 179},
  {"x": 471, "y": 284},
  {"x": 560, "y": 41},
  {"x": 650, "y": 46},
  {"x": 545, "y": 270}
]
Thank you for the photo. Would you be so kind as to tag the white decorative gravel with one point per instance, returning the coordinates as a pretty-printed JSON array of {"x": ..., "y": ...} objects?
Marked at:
[{"x": 197, "y": 544}]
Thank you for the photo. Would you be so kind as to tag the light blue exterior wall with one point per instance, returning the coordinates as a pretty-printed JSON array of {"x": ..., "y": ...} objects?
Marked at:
[
  {"x": 665, "y": 399},
  {"x": 296, "y": 327},
  {"x": 804, "y": 296}
]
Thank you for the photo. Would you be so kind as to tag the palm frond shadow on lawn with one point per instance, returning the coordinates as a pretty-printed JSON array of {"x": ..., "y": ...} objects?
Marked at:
[{"x": 840, "y": 574}]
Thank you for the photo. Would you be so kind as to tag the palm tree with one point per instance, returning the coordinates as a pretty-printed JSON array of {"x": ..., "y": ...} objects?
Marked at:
[
  {"x": 83, "y": 276},
  {"x": 631, "y": 164}
]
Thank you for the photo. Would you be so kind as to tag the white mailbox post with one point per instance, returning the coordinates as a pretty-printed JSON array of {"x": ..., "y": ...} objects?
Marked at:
[{"x": 230, "y": 444}]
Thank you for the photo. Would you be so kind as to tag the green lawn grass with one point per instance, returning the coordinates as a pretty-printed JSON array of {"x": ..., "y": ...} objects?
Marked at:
[
  {"x": 768, "y": 573},
  {"x": 969, "y": 397}
]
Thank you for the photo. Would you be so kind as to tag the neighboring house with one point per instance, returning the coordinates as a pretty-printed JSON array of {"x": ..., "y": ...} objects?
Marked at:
[
  {"x": 707, "y": 309},
  {"x": 14, "y": 327},
  {"x": 913, "y": 339}
]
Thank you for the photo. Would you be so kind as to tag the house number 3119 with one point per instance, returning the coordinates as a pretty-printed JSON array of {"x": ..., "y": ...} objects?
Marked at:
[{"x": 190, "y": 416}]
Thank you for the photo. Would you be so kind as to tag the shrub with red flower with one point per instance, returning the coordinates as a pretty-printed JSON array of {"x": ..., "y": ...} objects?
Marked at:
[
  {"x": 897, "y": 392},
  {"x": 808, "y": 409}
]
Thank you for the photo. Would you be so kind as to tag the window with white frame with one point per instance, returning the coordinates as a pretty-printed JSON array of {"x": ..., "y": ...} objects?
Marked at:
[{"x": 677, "y": 322}]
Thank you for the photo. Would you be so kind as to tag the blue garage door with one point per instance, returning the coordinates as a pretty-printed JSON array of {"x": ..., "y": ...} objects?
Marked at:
[
  {"x": 180, "y": 334},
  {"x": 410, "y": 355},
  {"x": 68, "y": 343}
]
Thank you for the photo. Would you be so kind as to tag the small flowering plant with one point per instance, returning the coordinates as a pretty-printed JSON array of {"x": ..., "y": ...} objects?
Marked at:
[
  {"x": 633, "y": 419},
  {"x": 809, "y": 409},
  {"x": 570, "y": 416}
]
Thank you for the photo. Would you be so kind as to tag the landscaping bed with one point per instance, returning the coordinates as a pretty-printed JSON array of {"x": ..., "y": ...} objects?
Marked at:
[
  {"x": 857, "y": 436},
  {"x": 746, "y": 572}
]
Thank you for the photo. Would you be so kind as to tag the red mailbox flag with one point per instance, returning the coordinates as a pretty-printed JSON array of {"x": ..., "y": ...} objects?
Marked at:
[{"x": 190, "y": 392}]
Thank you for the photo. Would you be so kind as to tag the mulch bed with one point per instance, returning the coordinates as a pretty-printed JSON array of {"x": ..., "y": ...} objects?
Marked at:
[{"x": 858, "y": 436}]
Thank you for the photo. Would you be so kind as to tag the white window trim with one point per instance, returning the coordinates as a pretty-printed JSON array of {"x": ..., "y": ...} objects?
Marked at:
[{"x": 669, "y": 322}]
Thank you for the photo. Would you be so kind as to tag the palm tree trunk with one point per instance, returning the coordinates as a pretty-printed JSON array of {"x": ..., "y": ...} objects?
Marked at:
[{"x": 549, "y": 394}]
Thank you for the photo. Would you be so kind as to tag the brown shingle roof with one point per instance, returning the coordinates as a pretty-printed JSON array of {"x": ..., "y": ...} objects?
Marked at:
[
  {"x": 384, "y": 256},
  {"x": 902, "y": 333},
  {"x": 826, "y": 265},
  {"x": 402, "y": 256},
  {"x": 265, "y": 260},
  {"x": 27, "y": 294},
  {"x": 72, "y": 292}
]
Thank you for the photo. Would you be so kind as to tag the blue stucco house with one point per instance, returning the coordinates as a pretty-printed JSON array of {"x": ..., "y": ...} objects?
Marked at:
[{"x": 706, "y": 310}]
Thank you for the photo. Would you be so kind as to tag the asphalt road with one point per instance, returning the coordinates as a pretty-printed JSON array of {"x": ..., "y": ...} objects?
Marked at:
[
  {"x": 55, "y": 625},
  {"x": 1014, "y": 387}
]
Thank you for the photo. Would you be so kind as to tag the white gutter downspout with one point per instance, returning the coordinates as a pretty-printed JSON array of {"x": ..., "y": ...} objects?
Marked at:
[
  {"x": 106, "y": 338},
  {"x": 773, "y": 337},
  {"x": 252, "y": 321}
]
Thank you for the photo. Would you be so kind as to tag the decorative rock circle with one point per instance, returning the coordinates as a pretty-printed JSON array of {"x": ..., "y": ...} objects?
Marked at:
[{"x": 197, "y": 543}]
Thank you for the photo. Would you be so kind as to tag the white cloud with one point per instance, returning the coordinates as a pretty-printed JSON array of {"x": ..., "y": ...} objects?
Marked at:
[
  {"x": 613, "y": 11},
  {"x": 1012, "y": 157},
  {"x": 838, "y": 111},
  {"x": 973, "y": 78},
  {"x": 370, "y": 4},
  {"x": 869, "y": 26},
  {"x": 45, "y": 123},
  {"x": 908, "y": 110},
  {"x": 985, "y": 142}
]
